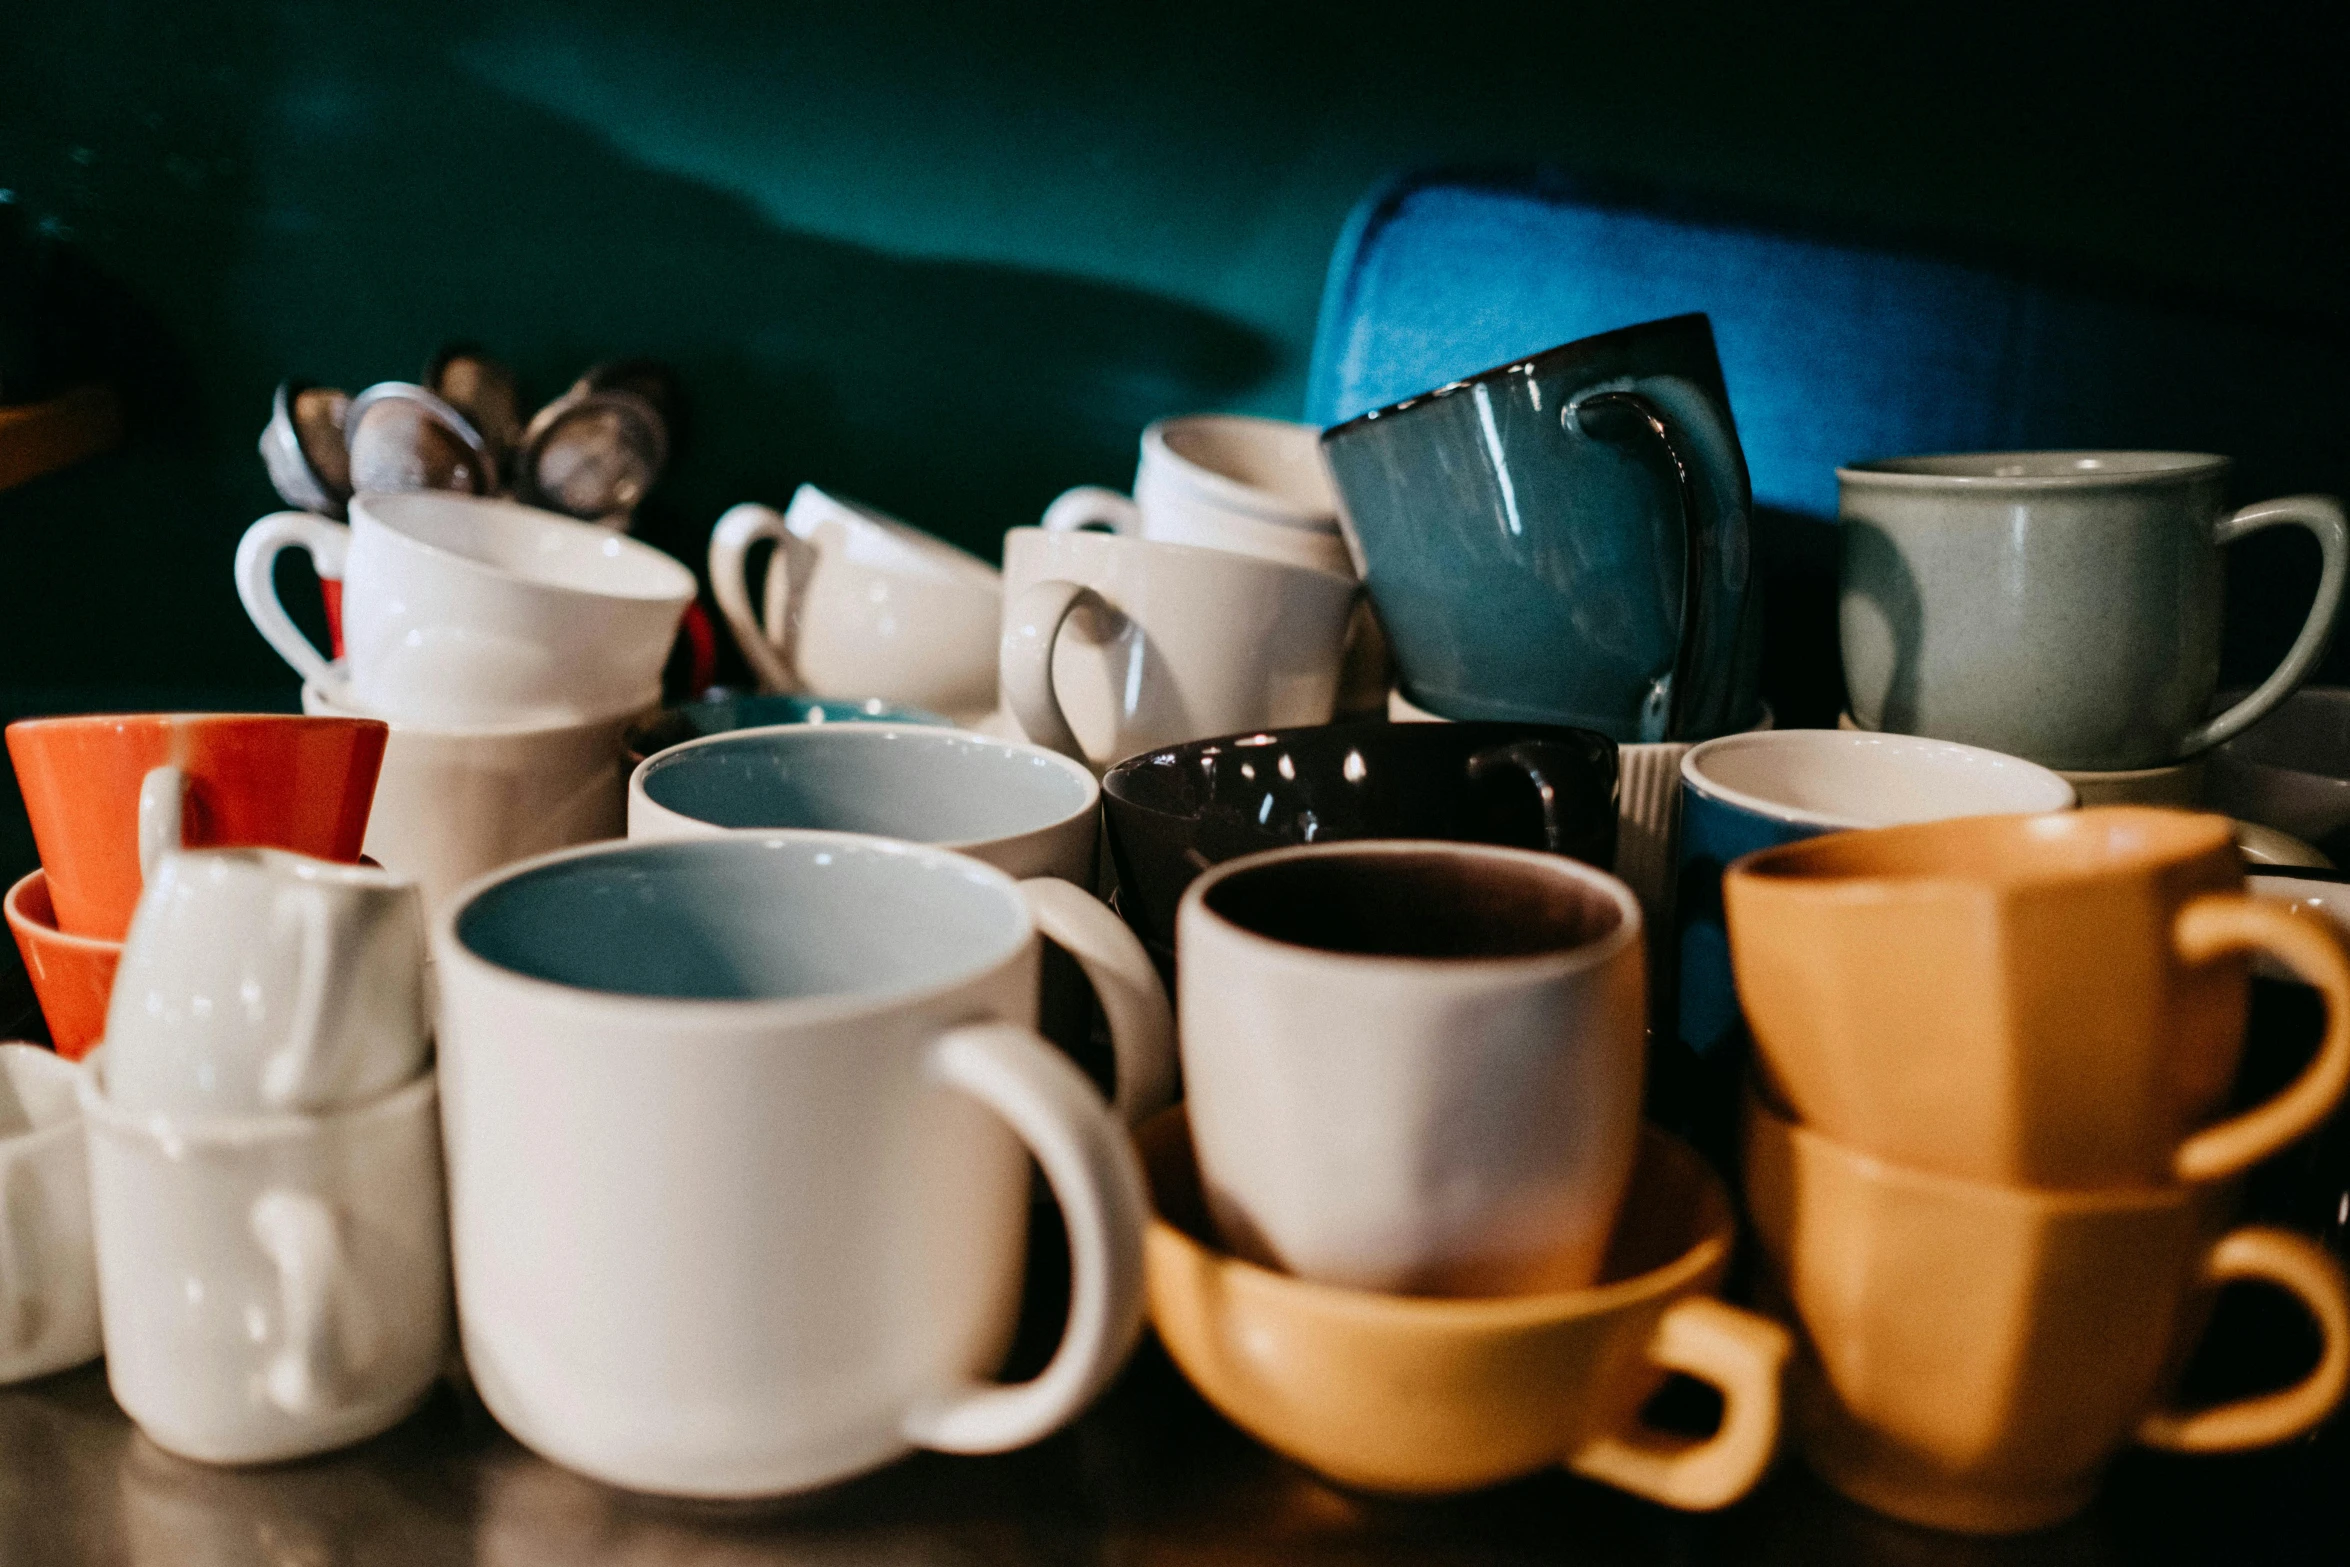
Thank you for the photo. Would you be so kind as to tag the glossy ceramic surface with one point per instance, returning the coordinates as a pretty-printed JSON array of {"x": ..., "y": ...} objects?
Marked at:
[
  {"x": 1747, "y": 792},
  {"x": 1396, "y": 1394},
  {"x": 73, "y": 976},
  {"x": 1223, "y": 481},
  {"x": 1113, "y": 646},
  {"x": 459, "y": 611},
  {"x": 2053, "y": 1000},
  {"x": 738, "y": 1138},
  {"x": 455, "y": 802},
  {"x": 724, "y": 714},
  {"x": 1551, "y": 540},
  {"x": 2291, "y": 771},
  {"x": 2061, "y": 606},
  {"x": 263, "y": 779},
  {"x": 1020, "y": 808},
  {"x": 255, "y": 981},
  {"x": 273, "y": 1286},
  {"x": 49, "y": 1284},
  {"x": 1174, "y": 812},
  {"x": 1977, "y": 1353},
  {"x": 1413, "y": 1067},
  {"x": 856, "y": 601}
]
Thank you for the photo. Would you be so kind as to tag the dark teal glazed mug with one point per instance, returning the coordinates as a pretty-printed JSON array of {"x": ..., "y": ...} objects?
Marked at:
[{"x": 1565, "y": 539}]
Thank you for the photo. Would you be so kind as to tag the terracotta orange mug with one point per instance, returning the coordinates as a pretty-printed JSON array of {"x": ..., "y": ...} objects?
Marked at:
[
  {"x": 1976, "y": 1353},
  {"x": 73, "y": 976},
  {"x": 1425, "y": 1394},
  {"x": 2055, "y": 1001},
  {"x": 266, "y": 780}
]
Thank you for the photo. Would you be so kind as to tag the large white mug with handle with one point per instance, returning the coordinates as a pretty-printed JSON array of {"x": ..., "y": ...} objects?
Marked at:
[
  {"x": 458, "y": 610},
  {"x": 738, "y": 1134},
  {"x": 857, "y": 603}
]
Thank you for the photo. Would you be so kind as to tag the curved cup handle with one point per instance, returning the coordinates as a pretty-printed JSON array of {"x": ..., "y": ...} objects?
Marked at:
[
  {"x": 329, "y": 547},
  {"x": 2220, "y": 923},
  {"x": 163, "y": 806},
  {"x": 2322, "y": 516},
  {"x": 1544, "y": 764},
  {"x": 730, "y": 542},
  {"x": 1741, "y": 1355},
  {"x": 1024, "y": 666},
  {"x": 2304, "y": 1271},
  {"x": 1097, "y": 1180},
  {"x": 289, "y": 1079},
  {"x": 1091, "y": 506},
  {"x": 297, "y": 1232},
  {"x": 1142, "y": 1024}
]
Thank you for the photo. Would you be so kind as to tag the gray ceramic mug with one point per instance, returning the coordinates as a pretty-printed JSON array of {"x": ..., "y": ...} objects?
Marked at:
[{"x": 2064, "y": 607}]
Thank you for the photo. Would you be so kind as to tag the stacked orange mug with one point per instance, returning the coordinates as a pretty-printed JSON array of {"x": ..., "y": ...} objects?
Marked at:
[
  {"x": 1981, "y": 1156},
  {"x": 109, "y": 793}
]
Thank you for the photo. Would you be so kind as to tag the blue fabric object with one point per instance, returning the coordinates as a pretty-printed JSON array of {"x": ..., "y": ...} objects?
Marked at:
[{"x": 1833, "y": 350}]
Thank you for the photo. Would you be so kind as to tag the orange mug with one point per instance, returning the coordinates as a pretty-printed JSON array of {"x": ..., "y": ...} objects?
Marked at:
[
  {"x": 2052, "y": 1001},
  {"x": 73, "y": 976},
  {"x": 264, "y": 780}
]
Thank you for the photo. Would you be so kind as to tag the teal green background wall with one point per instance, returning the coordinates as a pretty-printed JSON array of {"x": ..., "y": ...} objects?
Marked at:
[{"x": 950, "y": 258}]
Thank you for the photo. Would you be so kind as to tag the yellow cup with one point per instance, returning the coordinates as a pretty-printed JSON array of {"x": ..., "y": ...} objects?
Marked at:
[{"x": 1419, "y": 1394}]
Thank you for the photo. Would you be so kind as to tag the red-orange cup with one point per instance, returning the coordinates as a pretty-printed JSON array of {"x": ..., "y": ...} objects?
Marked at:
[
  {"x": 253, "y": 779},
  {"x": 73, "y": 976}
]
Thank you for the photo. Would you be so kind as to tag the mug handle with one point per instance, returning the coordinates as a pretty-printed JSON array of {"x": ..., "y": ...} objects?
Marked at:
[
  {"x": 297, "y": 1232},
  {"x": 1097, "y": 1180},
  {"x": 2301, "y": 1269},
  {"x": 730, "y": 542},
  {"x": 1741, "y": 1356},
  {"x": 1661, "y": 714},
  {"x": 2321, "y": 515},
  {"x": 1024, "y": 666},
  {"x": 163, "y": 805},
  {"x": 1089, "y": 505},
  {"x": 2220, "y": 923},
  {"x": 286, "y": 1079},
  {"x": 1115, "y": 963},
  {"x": 1535, "y": 759},
  {"x": 329, "y": 548}
]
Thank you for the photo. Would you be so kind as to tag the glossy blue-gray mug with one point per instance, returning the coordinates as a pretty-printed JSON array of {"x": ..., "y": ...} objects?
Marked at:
[{"x": 1565, "y": 539}]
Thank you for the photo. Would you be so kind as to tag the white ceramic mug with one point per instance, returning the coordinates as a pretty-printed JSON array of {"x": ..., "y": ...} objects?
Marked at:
[
  {"x": 1227, "y": 482},
  {"x": 736, "y": 1169},
  {"x": 254, "y": 981},
  {"x": 1114, "y": 645},
  {"x": 463, "y": 611},
  {"x": 859, "y": 604},
  {"x": 271, "y": 1286},
  {"x": 1413, "y": 1067},
  {"x": 452, "y": 803},
  {"x": 48, "y": 1275}
]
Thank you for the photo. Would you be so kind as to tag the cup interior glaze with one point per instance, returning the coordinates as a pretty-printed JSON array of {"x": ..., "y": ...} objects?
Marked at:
[
  {"x": 1416, "y": 902},
  {"x": 1840, "y": 779},
  {"x": 1269, "y": 468},
  {"x": 798, "y": 918},
  {"x": 927, "y": 785}
]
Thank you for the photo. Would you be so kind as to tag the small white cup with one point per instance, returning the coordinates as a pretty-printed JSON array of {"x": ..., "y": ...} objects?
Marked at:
[
  {"x": 1114, "y": 645},
  {"x": 271, "y": 1286},
  {"x": 1227, "y": 482},
  {"x": 452, "y": 803},
  {"x": 859, "y": 604},
  {"x": 48, "y": 1278},
  {"x": 256, "y": 981},
  {"x": 462, "y": 611}
]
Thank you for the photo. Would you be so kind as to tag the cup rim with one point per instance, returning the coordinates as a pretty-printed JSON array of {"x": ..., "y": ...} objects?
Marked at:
[
  {"x": 1527, "y": 365},
  {"x": 48, "y": 722},
  {"x": 1580, "y": 958},
  {"x": 682, "y": 584},
  {"x": 207, "y": 1133},
  {"x": 822, "y": 505},
  {"x": 1090, "y": 792},
  {"x": 341, "y": 874},
  {"x": 48, "y": 932},
  {"x": 1239, "y": 495},
  {"x": 514, "y": 729},
  {"x": 1912, "y": 473},
  {"x": 708, "y": 1014},
  {"x": 1117, "y": 543},
  {"x": 1488, "y": 1313},
  {"x": 2061, "y": 798},
  {"x": 2189, "y": 834}
]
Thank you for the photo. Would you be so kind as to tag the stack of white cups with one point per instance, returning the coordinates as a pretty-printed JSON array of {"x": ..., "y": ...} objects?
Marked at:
[
  {"x": 264, "y": 1172},
  {"x": 508, "y": 648}
]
